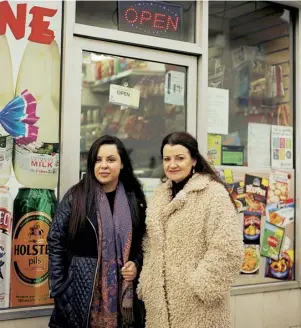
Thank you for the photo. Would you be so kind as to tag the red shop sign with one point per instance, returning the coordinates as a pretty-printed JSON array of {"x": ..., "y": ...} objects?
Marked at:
[{"x": 151, "y": 18}]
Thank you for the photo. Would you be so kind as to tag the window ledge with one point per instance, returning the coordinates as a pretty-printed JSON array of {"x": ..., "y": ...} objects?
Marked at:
[
  {"x": 264, "y": 288},
  {"x": 43, "y": 311},
  {"x": 24, "y": 313}
]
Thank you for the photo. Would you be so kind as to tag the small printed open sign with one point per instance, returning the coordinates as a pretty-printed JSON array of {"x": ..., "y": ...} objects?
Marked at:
[{"x": 153, "y": 18}]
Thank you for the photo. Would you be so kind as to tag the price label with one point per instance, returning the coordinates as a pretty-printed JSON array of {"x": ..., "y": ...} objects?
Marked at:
[{"x": 174, "y": 88}]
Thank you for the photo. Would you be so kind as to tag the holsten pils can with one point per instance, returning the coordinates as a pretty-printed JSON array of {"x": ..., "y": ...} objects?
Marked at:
[
  {"x": 33, "y": 212},
  {"x": 6, "y": 208}
]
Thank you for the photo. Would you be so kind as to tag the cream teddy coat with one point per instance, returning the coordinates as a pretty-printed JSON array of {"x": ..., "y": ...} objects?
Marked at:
[{"x": 193, "y": 250}]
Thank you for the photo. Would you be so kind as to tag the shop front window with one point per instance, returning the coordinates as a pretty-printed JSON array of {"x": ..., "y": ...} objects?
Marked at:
[
  {"x": 136, "y": 100},
  {"x": 250, "y": 125},
  {"x": 173, "y": 19}
]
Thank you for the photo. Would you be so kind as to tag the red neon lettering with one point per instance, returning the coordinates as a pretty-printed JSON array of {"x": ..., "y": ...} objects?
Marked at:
[
  {"x": 174, "y": 25},
  {"x": 144, "y": 16},
  {"x": 158, "y": 20},
  {"x": 7, "y": 18},
  {"x": 40, "y": 32},
  {"x": 132, "y": 21}
]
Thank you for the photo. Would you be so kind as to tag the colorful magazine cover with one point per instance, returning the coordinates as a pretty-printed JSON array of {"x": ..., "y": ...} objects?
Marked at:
[
  {"x": 214, "y": 149},
  {"x": 279, "y": 187},
  {"x": 282, "y": 269},
  {"x": 256, "y": 190},
  {"x": 251, "y": 260},
  {"x": 237, "y": 191},
  {"x": 251, "y": 227},
  {"x": 272, "y": 241},
  {"x": 281, "y": 214}
]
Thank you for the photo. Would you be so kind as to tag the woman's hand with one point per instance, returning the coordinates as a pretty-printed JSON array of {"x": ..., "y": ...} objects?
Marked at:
[{"x": 129, "y": 271}]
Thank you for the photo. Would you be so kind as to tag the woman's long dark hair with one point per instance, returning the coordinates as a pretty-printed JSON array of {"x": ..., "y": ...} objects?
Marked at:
[
  {"x": 188, "y": 141},
  {"x": 84, "y": 192}
]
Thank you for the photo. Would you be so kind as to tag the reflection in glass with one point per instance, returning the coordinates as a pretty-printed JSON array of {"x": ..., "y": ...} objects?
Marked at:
[
  {"x": 249, "y": 55},
  {"x": 137, "y": 101}
]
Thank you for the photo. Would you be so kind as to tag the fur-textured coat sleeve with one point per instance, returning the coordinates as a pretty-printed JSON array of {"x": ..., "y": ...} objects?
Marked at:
[{"x": 214, "y": 275}]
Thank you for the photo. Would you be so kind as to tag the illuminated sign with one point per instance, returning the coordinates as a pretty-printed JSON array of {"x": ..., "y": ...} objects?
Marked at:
[{"x": 153, "y": 18}]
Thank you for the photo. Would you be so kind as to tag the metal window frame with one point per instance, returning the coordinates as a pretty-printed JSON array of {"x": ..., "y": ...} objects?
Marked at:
[{"x": 72, "y": 112}]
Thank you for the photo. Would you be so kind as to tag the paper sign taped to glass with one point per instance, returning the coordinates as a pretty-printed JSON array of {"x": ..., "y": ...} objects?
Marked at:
[
  {"x": 124, "y": 96},
  {"x": 174, "y": 88}
]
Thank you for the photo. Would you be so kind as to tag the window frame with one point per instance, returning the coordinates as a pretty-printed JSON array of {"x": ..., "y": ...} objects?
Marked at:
[{"x": 71, "y": 115}]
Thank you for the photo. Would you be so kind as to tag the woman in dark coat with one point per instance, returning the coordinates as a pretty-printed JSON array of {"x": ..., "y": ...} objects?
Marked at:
[{"x": 95, "y": 244}]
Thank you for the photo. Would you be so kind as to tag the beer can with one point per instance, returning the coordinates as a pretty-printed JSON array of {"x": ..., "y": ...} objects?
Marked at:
[
  {"x": 33, "y": 212},
  {"x": 6, "y": 208}
]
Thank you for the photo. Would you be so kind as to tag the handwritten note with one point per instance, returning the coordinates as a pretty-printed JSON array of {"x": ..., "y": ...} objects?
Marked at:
[{"x": 218, "y": 113}]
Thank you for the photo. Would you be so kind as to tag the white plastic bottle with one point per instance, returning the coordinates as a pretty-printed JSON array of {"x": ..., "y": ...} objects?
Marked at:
[
  {"x": 36, "y": 164},
  {"x": 6, "y": 208},
  {"x": 6, "y": 95}
]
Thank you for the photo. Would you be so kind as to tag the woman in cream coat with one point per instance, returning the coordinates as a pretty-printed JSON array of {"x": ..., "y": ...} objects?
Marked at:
[{"x": 193, "y": 247}]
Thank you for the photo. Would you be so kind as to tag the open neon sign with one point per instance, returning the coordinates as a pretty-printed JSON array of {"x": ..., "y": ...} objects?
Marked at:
[{"x": 151, "y": 18}]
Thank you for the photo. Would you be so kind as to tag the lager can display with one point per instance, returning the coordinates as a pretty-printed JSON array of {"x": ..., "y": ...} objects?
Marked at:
[
  {"x": 6, "y": 208},
  {"x": 33, "y": 212}
]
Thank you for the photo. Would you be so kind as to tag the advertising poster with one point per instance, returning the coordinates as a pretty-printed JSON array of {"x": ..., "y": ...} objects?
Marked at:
[
  {"x": 281, "y": 215},
  {"x": 282, "y": 147},
  {"x": 252, "y": 227},
  {"x": 279, "y": 187},
  {"x": 272, "y": 241},
  {"x": 256, "y": 189},
  {"x": 30, "y": 65},
  {"x": 237, "y": 191},
  {"x": 251, "y": 260},
  {"x": 214, "y": 149},
  {"x": 266, "y": 211},
  {"x": 282, "y": 269}
]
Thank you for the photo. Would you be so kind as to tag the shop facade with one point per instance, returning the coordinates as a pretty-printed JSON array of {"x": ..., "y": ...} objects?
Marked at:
[{"x": 228, "y": 72}]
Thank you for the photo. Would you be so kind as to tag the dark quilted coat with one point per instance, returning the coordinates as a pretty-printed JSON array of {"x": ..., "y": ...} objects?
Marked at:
[{"x": 73, "y": 266}]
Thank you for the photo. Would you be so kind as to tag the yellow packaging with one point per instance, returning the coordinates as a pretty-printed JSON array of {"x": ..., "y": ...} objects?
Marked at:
[{"x": 214, "y": 149}]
